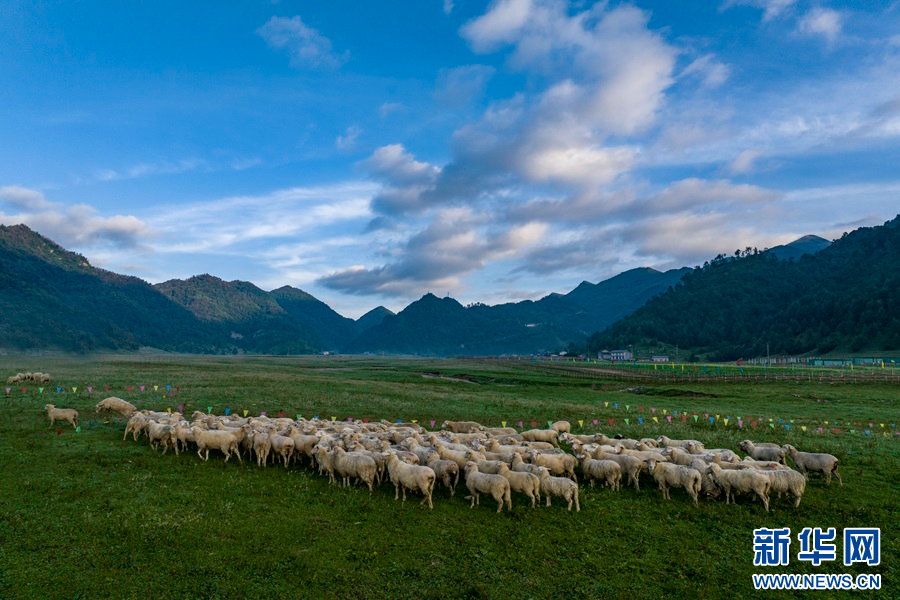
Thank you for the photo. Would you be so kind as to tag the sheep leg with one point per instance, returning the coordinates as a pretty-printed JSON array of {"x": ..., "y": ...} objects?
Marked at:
[
  {"x": 577, "y": 505},
  {"x": 396, "y": 491},
  {"x": 199, "y": 452},
  {"x": 473, "y": 496},
  {"x": 838, "y": 475}
]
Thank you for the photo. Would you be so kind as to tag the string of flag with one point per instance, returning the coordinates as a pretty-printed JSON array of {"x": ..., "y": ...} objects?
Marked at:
[
  {"x": 639, "y": 415},
  {"x": 168, "y": 389}
]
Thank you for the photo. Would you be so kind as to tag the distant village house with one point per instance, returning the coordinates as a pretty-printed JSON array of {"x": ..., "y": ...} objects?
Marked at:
[{"x": 615, "y": 355}]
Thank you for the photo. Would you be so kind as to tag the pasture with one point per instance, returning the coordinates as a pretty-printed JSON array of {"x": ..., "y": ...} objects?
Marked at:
[{"x": 87, "y": 515}]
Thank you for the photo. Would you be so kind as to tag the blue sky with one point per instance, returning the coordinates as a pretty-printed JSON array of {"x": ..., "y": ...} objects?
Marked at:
[{"x": 370, "y": 152}]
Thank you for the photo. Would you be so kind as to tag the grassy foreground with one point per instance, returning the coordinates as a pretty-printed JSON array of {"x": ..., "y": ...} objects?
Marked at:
[{"x": 87, "y": 515}]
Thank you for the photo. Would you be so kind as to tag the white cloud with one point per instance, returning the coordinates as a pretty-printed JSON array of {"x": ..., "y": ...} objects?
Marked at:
[
  {"x": 148, "y": 169},
  {"x": 455, "y": 243},
  {"x": 744, "y": 164},
  {"x": 306, "y": 47},
  {"x": 79, "y": 226},
  {"x": 406, "y": 180},
  {"x": 585, "y": 166},
  {"x": 227, "y": 225},
  {"x": 711, "y": 72},
  {"x": 771, "y": 8},
  {"x": 24, "y": 199},
  {"x": 458, "y": 86},
  {"x": 347, "y": 141},
  {"x": 389, "y": 108},
  {"x": 822, "y": 21},
  {"x": 448, "y": 6},
  {"x": 500, "y": 25}
]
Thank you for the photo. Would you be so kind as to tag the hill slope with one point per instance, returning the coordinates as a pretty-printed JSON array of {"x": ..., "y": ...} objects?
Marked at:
[
  {"x": 845, "y": 297},
  {"x": 53, "y": 298},
  {"x": 434, "y": 326}
]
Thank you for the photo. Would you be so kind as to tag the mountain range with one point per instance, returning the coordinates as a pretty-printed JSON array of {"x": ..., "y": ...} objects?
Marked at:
[
  {"x": 810, "y": 295},
  {"x": 52, "y": 298},
  {"x": 844, "y": 298}
]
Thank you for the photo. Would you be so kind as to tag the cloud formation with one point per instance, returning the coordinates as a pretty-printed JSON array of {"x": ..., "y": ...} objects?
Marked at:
[
  {"x": 453, "y": 245},
  {"x": 76, "y": 226},
  {"x": 825, "y": 22},
  {"x": 531, "y": 160},
  {"x": 306, "y": 47},
  {"x": 771, "y": 8}
]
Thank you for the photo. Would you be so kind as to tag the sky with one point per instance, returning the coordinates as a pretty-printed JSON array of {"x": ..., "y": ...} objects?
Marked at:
[{"x": 372, "y": 152}]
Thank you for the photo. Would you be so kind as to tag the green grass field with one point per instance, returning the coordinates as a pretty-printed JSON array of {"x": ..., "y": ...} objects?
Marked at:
[{"x": 87, "y": 515}]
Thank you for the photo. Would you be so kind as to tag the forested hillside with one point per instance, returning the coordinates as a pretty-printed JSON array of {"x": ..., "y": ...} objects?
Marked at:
[
  {"x": 843, "y": 298},
  {"x": 54, "y": 299}
]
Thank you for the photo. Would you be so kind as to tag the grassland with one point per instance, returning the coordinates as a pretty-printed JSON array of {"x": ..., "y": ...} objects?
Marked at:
[{"x": 87, "y": 515}]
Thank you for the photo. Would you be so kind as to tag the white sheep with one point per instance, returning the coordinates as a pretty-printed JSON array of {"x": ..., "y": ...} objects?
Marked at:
[
  {"x": 561, "y": 487},
  {"x": 69, "y": 415},
  {"x": 691, "y": 446},
  {"x": 414, "y": 478},
  {"x": 355, "y": 465},
  {"x": 605, "y": 471},
  {"x": 126, "y": 409},
  {"x": 491, "y": 467},
  {"x": 161, "y": 433},
  {"x": 561, "y": 427},
  {"x": 558, "y": 464},
  {"x": 483, "y": 483},
  {"x": 224, "y": 441},
  {"x": 519, "y": 464},
  {"x": 445, "y": 471},
  {"x": 462, "y": 426},
  {"x": 135, "y": 426},
  {"x": 499, "y": 431},
  {"x": 707, "y": 485},
  {"x": 378, "y": 457},
  {"x": 303, "y": 444},
  {"x": 525, "y": 483},
  {"x": 549, "y": 436},
  {"x": 814, "y": 462},
  {"x": 668, "y": 475},
  {"x": 741, "y": 481},
  {"x": 787, "y": 482},
  {"x": 630, "y": 465},
  {"x": 326, "y": 462},
  {"x": 459, "y": 457},
  {"x": 759, "y": 452},
  {"x": 262, "y": 446},
  {"x": 569, "y": 438},
  {"x": 282, "y": 446},
  {"x": 183, "y": 435}
]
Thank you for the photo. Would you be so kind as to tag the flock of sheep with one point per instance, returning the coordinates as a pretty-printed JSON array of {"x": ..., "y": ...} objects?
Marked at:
[
  {"x": 29, "y": 378},
  {"x": 497, "y": 461}
]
